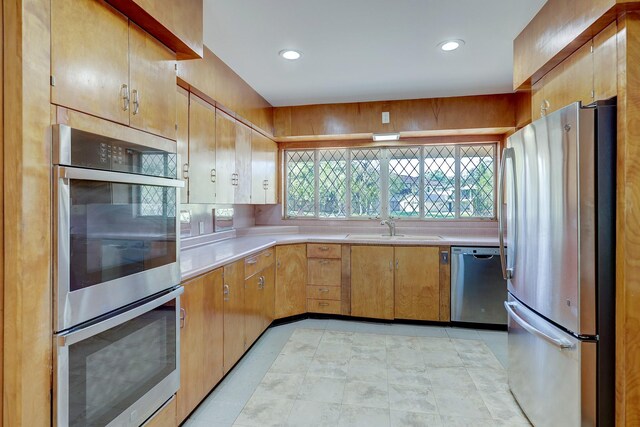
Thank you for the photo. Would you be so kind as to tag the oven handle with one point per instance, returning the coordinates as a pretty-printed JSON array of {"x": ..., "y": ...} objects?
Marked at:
[
  {"x": 65, "y": 172},
  {"x": 89, "y": 331}
]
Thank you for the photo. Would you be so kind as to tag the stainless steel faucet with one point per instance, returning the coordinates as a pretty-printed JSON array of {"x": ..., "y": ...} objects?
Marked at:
[{"x": 392, "y": 226}]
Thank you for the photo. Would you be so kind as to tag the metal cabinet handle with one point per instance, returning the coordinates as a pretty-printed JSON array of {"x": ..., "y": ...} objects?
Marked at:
[
  {"x": 323, "y": 304},
  {"x": 124, "y": 91},
  {"x": 267, "y": 254},
  {"x": 323, "y": 290},
  {"x": 544, "y": 107},
  {"x": 226, "y": 292},
  {"x": 278, "y": 263},
  {"x": 252, "y": 261},
  {"x": 136, "y": 101},
  {"x": 324, "y": 261},
  {"x": 562, "y": 344},
  {"x": 397, "y": 264},
  {"x": 507, "y": 273},
  {"x": 261, "y": 282},
  {"x": 324, "y": 248},
  {"x": 390, "y": 265},
  {"x": 213, "y": 176},
  {"x": 185, "y": 171},
  {"x": 183, "y": 317}
]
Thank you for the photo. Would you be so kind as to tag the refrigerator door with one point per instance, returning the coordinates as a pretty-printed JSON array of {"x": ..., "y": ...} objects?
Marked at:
[
  {"x": 550, "y": 217},
  {"x": 552, "y": 374}
]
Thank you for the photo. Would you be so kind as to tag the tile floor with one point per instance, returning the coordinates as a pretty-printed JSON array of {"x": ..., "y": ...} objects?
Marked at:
[{"x": 346, "y": 373}]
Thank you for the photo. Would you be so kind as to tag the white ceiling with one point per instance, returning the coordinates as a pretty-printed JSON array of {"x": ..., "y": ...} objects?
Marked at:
[{"x": 367, "y": 50}]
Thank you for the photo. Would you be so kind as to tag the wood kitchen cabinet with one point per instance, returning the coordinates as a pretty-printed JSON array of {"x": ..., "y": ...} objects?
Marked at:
[
  {"x": 202, "y": 151},
  {"x": 253, "y": 298},
  {"x": 605, "y": 61},
  {"x": 259, "y": 294},
  {"x": 268, "y": 296},
  {"x": 417, "y": 283},
  {"x": 372, "y": 270},
  {"x": 182, "y": 140},
  {"x": 234, "y": 314},
  {"x": 243, "y": 164},
  {"x": 291, "y": 280},
  {"x": 201, "y": 340},
  {"x": 105, "y": 65},
  {"x": 225, "y": 157},
  {"x": 165, "y": 417},
  {"x": 264, "y": 160}
]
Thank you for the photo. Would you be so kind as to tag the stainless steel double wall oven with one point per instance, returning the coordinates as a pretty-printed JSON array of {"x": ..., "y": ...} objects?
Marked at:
[{"x": 116, "y": 277}]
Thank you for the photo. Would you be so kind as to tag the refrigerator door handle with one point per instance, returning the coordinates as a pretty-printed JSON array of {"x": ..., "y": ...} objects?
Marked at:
[
  {"x": 507, "y": 273},
  {"x": 560, "y": 343}
]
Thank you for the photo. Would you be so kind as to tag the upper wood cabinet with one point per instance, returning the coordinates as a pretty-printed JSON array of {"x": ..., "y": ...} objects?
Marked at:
[
  {"x": 202, "y": 151},
  {"x": 106, "y": 66},
  {"x": 291, "y": 280},
  {"x": 90, "y": 58},
  {"x": 417, "y": 283},
  {"x": 182, "y": 140},
  {"x": 372, "y": 282},
  {"x": 225, "y": 157},
  {"x": 234, "y": 314},
  {"x": 264, "y": 163},
  {"x": 243, "y": 164},
  {"x": 588, "y": 75}
]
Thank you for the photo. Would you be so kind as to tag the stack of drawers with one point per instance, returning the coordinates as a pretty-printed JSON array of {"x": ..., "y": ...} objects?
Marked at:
[{"x": 324, "y": 288}]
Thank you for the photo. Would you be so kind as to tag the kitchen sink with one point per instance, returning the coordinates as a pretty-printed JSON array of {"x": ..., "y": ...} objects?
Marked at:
[{"x": 396, "y": 237}]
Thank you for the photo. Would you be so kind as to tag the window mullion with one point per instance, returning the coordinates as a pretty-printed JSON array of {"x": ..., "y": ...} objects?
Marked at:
[
  {"x": 457, "y": 181},
  {"x": 384, "y": 182},
  {"x": 421, "y": 182},
  {"x": 347, "y": 204},
  {"x": 316, "y": 178}
]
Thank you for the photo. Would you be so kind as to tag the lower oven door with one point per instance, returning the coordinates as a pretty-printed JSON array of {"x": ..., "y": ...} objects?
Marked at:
[{"x": 118, "y": 370}]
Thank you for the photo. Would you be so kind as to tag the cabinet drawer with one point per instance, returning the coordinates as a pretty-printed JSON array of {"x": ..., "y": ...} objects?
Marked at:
[
  {"x": 323, "y": 306},
  {"x": 258, "y": 262},
  {"x": 326, "y": 272},
  {"x": 319, "y": 250},
  {"x": 324, "y": 292}
]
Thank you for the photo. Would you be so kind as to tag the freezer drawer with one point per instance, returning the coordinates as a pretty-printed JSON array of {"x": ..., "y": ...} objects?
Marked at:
[
  {"x": 551, "y": 374},
  {"x": 478, "y": 290}
]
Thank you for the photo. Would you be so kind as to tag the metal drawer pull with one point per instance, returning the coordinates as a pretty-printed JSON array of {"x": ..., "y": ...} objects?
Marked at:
[
  {"x": 324, "y": 261},
  {"x": 183, "y": 317},
  {"x": 136, "y": 101},
  {"x": 323, "y": 304},
  {"x": 185, "y": 171},
  {"x": 267, "y": 254},
  {"x": 252, "y": 261},
  {"x": 124, "y": 90},
  {"x": 324, "y": 248},
  {"x": 213, "y": 176},
  {"x": 562, "y": 344},
  {"x": 261, "y": 282},
  {"x": 226, "y": 289},
  {"x": 323, "y": 290}
]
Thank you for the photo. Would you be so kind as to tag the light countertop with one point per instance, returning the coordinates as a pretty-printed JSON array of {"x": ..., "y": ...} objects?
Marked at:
[{"x": 200, "y": 259}]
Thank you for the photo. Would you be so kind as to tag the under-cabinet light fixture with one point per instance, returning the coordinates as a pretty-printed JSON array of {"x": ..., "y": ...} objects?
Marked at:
[{"x": 378, "y": 137}]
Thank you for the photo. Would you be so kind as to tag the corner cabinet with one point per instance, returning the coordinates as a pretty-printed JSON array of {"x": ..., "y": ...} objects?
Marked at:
[
  {"x": 106, "y": 66},
  {"x": 291, "y": 280}
]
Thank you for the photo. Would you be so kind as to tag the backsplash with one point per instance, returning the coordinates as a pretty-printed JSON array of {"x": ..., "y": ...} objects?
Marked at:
[{"x": 202, "y": 219}]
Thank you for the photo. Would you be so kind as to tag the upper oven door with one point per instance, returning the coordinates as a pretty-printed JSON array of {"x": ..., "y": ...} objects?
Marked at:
[{"x": 117, "y": 241}]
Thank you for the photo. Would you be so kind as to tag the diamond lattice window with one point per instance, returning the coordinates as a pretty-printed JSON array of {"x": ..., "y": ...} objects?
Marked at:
[
  {"x": 300, "y": 197},
  {"x": 405, "y": 182},
  {"x": 439, "y": 181},
  {"x": 332, "y": 183},
  {"x": 477, "y": 181},
  {"x": 158, "y": 201},
  {"x": 365, "y": 183}
]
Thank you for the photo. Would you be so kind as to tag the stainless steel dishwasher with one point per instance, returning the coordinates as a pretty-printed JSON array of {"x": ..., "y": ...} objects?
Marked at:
[{"x": 478, "y": 290}]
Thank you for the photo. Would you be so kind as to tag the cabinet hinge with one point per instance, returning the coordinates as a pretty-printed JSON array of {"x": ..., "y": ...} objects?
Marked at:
[{"x": 52, "y": 80}]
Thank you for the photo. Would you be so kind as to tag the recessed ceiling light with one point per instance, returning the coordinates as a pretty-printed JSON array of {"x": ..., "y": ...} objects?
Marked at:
[
  {"x": 289, "y": 54},
  {"x": 450, "y": 45},
  {"x": 386, "y": 136}
]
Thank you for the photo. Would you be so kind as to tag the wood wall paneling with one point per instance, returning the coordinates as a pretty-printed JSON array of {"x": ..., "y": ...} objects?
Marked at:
[
  {"x": 628, "y": 224},
  {"x": 27, "y": 328},
  {"x": 418, "y": 115},
  {"x": 559, "y": 29},
  {"x": 176, "y": 23},
  {"x": 605, "y": 63}
]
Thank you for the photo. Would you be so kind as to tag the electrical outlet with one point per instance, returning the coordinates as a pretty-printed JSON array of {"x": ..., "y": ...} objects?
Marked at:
[{"x": 385, "y": 117}]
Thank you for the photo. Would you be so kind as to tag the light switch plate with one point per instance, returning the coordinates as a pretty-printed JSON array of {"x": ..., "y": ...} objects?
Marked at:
[{"x": 385, "y": 117}]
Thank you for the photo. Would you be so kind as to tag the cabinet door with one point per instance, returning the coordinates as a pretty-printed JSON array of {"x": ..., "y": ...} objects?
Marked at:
[
  {"x": 191, "y": 347},
  {"x": 89, "y": 58},
  {"x": 213, "y": 329},
  {"x": 182, "y": 140},
  {"x": 234, "y": 313},
  {"x": 202, "y": 151},
  {"x": 605, "y": 63},
  {"x": 577, "y": 77},
  {"x": 152, "y": 77},
  {"x": 165, "y": 417},
  {"x": 243, "y": 164},
  {"x": 268, "y": 296},
  {"x": 537, "y": 99},
  {"x": 225, "y": 157},
  {"x": 271, "y": 165},
  {"x": 291, "y": 280},
  {"x": 258, "y": 168},
  {"x": 417, "y": 283},
  {"x": 253, "y": 296},
  {"x": 372, "y": 281}
]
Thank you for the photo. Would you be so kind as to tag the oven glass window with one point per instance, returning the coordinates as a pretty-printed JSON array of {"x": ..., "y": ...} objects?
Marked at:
[
  {"x": 112, "y": 370},
  {"x": 119, "y": 229}
]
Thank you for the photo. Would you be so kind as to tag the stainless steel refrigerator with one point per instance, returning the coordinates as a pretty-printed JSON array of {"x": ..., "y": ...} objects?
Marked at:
[{"x": 559, "y": 175}]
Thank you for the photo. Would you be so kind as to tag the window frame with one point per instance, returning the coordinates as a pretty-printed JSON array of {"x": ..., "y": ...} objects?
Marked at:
[{"x": 384, "y": 158}]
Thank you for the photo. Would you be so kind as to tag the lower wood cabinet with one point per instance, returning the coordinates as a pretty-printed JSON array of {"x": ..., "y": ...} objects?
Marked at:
[
  {"x": 372, "y": 282},
  {"x": 417, "y": 283},
  {"x": 291, "y": 280},
  {"x": 165, "y": 417},
  {"x": 234, "y": 314},
  {"x": 201, "y": 332},
  {"x": 268, "y": 296}
]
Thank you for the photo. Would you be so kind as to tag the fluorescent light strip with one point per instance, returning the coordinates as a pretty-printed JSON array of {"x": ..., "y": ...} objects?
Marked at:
[{"x": 378, "y": 137}]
